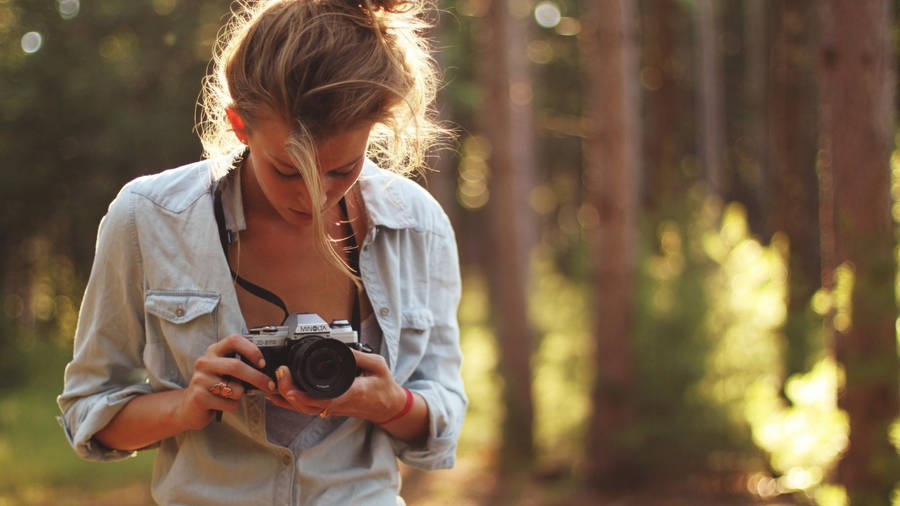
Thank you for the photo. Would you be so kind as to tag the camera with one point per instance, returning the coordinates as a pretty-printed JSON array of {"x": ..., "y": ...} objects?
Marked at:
[{"x": 317, "y": 354}]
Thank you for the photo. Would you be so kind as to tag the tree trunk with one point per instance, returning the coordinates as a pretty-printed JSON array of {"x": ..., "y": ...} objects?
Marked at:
[
  {"x": 858, "y": 120},
  {"x": 755, "y": 177},
  {"x": 511, "y": 231},
  {"x": 793, "y": 138},
  {"x": 665, "y": 118},
  {"x": 710, "y": 98},
  {"x": 612, "y": 170}
]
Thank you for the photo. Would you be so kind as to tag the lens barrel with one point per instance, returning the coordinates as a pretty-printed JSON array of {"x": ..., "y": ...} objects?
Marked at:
[{"x": 322, "y": 367}]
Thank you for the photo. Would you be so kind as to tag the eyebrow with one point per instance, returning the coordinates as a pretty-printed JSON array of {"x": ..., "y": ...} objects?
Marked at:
[{"x": 346, "y": 165}]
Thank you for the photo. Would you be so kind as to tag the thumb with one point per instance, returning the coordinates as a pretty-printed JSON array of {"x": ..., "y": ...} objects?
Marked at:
[{"x": 371, "y": 362}]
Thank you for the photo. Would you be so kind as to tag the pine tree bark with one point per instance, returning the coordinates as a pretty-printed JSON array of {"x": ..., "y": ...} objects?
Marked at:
[
  {"x": 793, "y": 143},
  {"x": 612, "y": 169},
  {"x": 665, "y": 116},
  {"x": 710, "y": 99},
  {"x": 858, "y": 78},
  {"x": 755, "y": 183},
  {"x": 512, "y": 225}
]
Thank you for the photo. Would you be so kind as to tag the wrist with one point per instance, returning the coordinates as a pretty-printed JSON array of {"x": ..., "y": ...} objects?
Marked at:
[
  {"x": 407, "y": 405},
  {"x": 174, "y": 418}
]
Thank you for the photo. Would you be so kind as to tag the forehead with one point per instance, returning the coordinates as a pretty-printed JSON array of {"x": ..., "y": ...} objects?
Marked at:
[{"x": 333, "y": 151}]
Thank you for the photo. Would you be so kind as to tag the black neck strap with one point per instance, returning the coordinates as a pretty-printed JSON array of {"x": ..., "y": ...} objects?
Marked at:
[{"x": 226, "y": 237}]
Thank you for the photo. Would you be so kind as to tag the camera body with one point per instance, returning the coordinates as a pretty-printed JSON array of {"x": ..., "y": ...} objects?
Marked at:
[{"x": 317, "y": 354}]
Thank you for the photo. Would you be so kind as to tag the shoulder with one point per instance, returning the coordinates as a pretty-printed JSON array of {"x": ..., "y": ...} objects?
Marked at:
[
  {"x": 395, "y": 201},
  {"x": 174, "y": 190}
]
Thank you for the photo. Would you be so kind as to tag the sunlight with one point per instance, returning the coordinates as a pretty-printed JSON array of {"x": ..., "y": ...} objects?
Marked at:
[
  {"x": 32, "y": 42},
  {"x": 472, "y": 192},
  {"x": 562, "y": 361},
  {"x": 479, "y": 367},
  {"x": 68, "y": 9},
  {"x": 547, "y": 14}
]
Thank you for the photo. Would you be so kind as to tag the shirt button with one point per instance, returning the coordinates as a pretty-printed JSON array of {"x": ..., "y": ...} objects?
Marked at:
[
  {"x": 385, "y": 311},
  {"x": 179, "y": 312},
  {"x": 287, "y": 460}
]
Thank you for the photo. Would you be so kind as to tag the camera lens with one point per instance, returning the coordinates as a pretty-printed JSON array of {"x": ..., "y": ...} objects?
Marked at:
[{"x": 324, "y": 368}]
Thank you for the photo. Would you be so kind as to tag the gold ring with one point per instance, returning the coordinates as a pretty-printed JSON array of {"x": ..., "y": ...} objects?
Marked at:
[
  {"x": 220, "y": 389},
  {"x": 323, "y": 413}
]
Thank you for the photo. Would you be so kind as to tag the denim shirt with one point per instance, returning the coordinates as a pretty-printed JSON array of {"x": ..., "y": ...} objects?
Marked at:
[{"x": 160, "y": 293}]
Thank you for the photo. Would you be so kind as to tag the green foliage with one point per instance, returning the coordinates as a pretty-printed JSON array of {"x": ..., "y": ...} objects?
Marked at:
[
  {"x": 100, "y": 100},
  {"x": 37, "y": 460},
  {"x": 562, "y": 372},
  {"x": 681, "y": 428},
  {"x": 805, "y": 435}
]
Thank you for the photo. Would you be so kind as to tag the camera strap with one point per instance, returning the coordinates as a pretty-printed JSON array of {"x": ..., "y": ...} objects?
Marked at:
[{"x": 226, "y": 238}]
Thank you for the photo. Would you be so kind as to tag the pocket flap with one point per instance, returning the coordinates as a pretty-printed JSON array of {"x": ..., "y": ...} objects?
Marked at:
[
  {"x": 180, "y": 307},
  {"x": 419, "y": 318}
]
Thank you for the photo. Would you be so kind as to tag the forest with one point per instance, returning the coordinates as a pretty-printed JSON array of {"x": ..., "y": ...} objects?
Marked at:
[{"x": 676, "y": 219}]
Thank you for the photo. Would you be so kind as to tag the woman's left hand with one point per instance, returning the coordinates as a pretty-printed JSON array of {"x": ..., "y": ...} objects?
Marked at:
[{"x": 374, "y": 395}]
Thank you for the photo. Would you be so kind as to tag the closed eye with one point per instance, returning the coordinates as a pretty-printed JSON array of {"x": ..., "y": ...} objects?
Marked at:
[
  {"x": 287, "y": 174},
  {"x": 346, "y": 170}
]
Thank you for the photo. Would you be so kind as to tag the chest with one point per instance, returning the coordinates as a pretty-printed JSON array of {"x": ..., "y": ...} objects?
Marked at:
[{"x": 296, "y": 269}]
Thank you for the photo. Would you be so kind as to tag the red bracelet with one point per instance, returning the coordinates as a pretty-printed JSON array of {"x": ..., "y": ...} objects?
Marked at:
[{"x": 404, "y": 411}]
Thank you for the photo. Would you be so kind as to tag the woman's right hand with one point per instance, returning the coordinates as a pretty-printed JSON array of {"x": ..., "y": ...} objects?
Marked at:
[{"x": 220, "y": 366}]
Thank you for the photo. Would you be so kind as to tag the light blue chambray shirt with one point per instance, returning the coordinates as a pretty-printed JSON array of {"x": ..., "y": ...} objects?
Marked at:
[{"x": 160, "y": 293}]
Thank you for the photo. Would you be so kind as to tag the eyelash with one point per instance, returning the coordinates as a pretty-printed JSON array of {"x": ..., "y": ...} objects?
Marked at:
[
  {"x": 297, "y": 174},
  {"x": 293, "y": 175}
]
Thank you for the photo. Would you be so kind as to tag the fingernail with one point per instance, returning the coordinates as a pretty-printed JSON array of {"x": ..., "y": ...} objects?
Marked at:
[
  {"x": 261, "y": 363},
  {"x": 271, "y": 385},
  {"x": 292, "y": 398},
  {"x": 279, "y": 373}
]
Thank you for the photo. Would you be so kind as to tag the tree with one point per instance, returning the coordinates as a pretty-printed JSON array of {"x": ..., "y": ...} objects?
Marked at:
[
  {"x": 666, "y": 119},
  {"x": 792, "y": 142},
  {"x": 512, "y": 225},
  {"x": 612, "y": 168},
  {"x": 710, "y": 98},
  {"x": 858, "y": 79}
]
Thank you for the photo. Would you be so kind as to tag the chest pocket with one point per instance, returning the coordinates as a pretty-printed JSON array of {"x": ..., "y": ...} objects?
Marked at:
[
  {"x": 415, "y": 324},
  {"x": 417, "y": 319},
  {"x": 180, "y": 325}
]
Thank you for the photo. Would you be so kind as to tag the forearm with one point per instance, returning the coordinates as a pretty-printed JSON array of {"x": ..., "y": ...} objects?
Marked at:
[
  {"x": 411, "y": 428},
  {"x": 145, "y": 420}
]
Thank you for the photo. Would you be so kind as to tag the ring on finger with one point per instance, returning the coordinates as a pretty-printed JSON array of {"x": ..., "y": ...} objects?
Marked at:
[
  {"x": 323, "y": 413},
  {"x": 221, "y": 389}
]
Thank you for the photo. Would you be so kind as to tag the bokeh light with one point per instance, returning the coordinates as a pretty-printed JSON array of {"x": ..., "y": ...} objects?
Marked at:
[
  {"x": 68, "y": 9},
  {"x": 32, "y": 42},
  {"x": 547, "y": 14}
]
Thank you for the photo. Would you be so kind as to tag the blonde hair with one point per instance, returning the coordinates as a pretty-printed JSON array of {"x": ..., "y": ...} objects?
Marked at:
[{"x": 322, "y": 66}]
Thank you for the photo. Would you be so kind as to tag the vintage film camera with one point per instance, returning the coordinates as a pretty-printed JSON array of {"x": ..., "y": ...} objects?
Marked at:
[{"x": 317, "y": 354}]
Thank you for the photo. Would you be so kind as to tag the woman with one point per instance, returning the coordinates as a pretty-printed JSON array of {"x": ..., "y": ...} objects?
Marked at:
[{"x": 286, "y": 215}]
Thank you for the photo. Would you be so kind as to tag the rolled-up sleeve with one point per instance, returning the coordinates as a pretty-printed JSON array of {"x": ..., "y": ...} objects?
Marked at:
[
  {"x": 437, "y": 377},
  {"x": 109, "y": 339}
]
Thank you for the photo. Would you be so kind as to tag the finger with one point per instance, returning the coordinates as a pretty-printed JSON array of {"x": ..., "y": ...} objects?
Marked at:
[
  {"x": 370, "y": 362},
  {"x": 223, "y": 367},
  {"x": 236, "y": 343},
  {"x": 219, "y": 403},
  {"x": 297, "y": 399},
  {"x": 286, "y": 386},
  {"x": 233, "y": 390}
]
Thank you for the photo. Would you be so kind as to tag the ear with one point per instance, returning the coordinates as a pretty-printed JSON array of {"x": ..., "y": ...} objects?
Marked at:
[{"x": 237, "y": 124}]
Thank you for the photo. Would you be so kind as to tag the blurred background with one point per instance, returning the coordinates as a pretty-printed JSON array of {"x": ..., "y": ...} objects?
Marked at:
[{"x": 676, "y": 224}]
